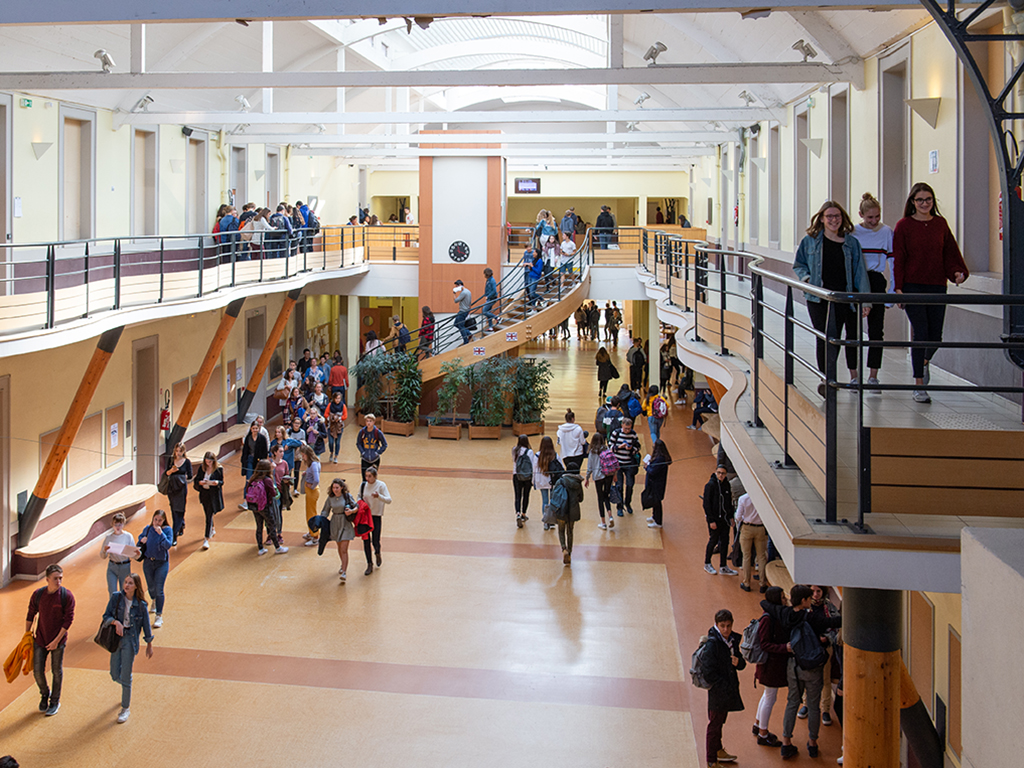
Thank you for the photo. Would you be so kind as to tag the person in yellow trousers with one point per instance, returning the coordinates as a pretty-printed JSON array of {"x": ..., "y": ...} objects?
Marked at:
[{"x": 312, "y": 491}]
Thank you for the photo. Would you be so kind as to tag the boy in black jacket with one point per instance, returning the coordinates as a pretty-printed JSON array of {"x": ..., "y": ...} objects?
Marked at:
[{"x": 722, "y": 664}]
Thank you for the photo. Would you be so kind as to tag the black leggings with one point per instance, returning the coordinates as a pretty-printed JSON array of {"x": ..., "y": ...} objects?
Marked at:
[
  {"x": 876, "y": 320},
  {"x": 719, "y": 536},
  {"x": 604, "y": 489},
  {"x": 209, "y": 511},
  {"x": 373, "y": 543},
  {"x": 266, "y": 516},
  {"x": 522, "y": 489},
  {"x": 926, "y": 321},
  {"x": 656, "y": 511},
  {"x": 602, "y": 390},
  {"x": 846, "y": 318}
]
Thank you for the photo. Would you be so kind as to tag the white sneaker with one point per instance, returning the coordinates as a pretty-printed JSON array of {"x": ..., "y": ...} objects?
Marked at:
[
  {"x": 311, "y": 543},
  {"x": 920, "y": 396},
  {"x": 653, "y": 524},
  {"x": 872, "y": 381},
  {"x": 341, "y": 571},
  {"x": 602, "y": 526},
  {"x": 159, "y": 621},
  {"x": 839, "y": 760},
  {"x": 342, "y": 576},
  {"x": 280, "y": 550},
  {"x": 650, "y": 519},
  {"x": 854, "y": 381},
  {"x": 261, "y": 551},
  {"x": 122, "y": 716},
  {"x": 727, "y": 571},
  {"x": 243, "y": 506},
  {"x": 213, "y": 531},
  {"x": 680, "y": 402},
  {"x": 206, "y": 544},
  {"x": 710, "y": 569}
]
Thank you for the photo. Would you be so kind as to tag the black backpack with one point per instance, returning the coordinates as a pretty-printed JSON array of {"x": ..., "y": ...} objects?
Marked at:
[
  {"x": 807, "y": 648},
  {"x": 312, "y": 222},
  {"x": 559, "y": 500},
  {"x": 404, "y": 337},
  {"x": 524, "y": 467}
]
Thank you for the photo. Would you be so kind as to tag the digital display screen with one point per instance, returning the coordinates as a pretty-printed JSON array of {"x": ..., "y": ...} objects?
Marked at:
[{"x": 527, "y": 186}]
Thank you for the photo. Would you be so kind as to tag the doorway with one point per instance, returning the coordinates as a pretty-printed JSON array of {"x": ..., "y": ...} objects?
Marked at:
[
  {"x": 196, "y": 190},
  {"x": 894, "y": 139},
  {"x": 774, "y": 188},
  {"x": 239, "y": 170},
  {"x": 273, "y": 180},
  {"x": 144, "y": 202},
  {"x": 6, "y": 102},
  {"x": 802, "y": 178},
  {"x": 839, "y": 152},
  {"x": 255, "y": 338},
  {"x": 8, "y": 542},
  {"x": 145, "y": 428},
  {"x": 77, "y": 171}
]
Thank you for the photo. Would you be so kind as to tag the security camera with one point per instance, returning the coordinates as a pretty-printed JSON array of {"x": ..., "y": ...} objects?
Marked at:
[
  {"x": 243, "y": 103},
  {"x": 105, "y": 59},
  {"x": 653, "y": 52}
]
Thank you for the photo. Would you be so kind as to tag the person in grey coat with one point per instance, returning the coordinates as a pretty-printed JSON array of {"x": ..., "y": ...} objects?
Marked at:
[{"x": 567, "y": 517}]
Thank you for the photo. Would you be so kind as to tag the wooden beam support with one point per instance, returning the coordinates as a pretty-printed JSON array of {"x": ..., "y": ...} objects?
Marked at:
[
  {"x": 220, "y": 338},
  {"x": 246, "y": 397},
  {"x": 917, "y": 724},
  {"x": 66, "y": 437}
]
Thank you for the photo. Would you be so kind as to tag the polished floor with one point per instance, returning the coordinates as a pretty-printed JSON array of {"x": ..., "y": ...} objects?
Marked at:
[{"x": 471, "y": 646}]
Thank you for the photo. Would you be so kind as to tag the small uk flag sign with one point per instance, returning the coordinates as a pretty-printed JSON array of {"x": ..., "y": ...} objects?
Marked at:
[
  {"x": 512, "y": 336},
  {"x": 479, "y": 351}
]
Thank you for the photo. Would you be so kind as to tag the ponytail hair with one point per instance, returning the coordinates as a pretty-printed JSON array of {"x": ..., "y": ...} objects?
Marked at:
[{"x": 868, "y": 202}]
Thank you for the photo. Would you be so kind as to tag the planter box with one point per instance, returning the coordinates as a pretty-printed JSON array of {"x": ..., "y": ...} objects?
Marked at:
[
  {"x": 484, "y": 433},
  {"x": 533, "y": 428},
  {"x": 405, "y": 428},
  {"x": 445, "y": 431}
]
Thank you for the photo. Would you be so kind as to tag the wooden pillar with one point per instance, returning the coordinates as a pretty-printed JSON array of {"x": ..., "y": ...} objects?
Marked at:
[
  {"x": 66, "y": 437},
  {"x": 917, "y": 724},
  {"x": 220, "y": 338},
  {"x": 872, "y": 631},
  {"x": 246, "y": 396}
]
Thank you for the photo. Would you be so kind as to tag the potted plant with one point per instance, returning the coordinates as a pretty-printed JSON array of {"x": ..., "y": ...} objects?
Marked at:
[
  {"x": 489, "y": 382},
  {"x": 443, "y": 424},
  {"x": 371, "y": 373},
  {"x": 530, "y": 382},
  {"x": 407, "y": 384}
]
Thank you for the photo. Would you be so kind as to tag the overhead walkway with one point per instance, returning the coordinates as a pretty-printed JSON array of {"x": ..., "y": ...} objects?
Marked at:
[{"x": 856, "y": 488}]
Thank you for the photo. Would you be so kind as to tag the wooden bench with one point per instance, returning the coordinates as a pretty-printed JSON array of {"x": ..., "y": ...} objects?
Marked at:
[
  {"x": 217, "y": 443},
  {"x": 70, "y": 535}
]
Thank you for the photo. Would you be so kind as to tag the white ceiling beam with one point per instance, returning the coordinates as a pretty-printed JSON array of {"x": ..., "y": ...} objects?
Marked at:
[
  {"x": 518, "y": 46},
  {"x": 137, "y": 63},
  {"x": 507, "y": 139},
  {"x": 515, "y": 152},
  {"x": 152, "y": 11},
  {"x": 743, "y": 115},
  {"x": 729, "y": 73},
  {"x": 832, "y": 43}
]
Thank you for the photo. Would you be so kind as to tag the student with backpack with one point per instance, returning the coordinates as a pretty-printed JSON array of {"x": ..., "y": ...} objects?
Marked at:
[
  {"x": 806, "y": 670},
  {"x": 823, "y": 612},
  {"x": 546, "y": 472},
  {"x": 637, "y": 359},
  {"x": 721, "y": 661},
  {"x": 55, "y": 606},
  {"x": 261, "y": 496},
  {"x": 626, "y": 446},
  {"x": 772, "y": 673},
  {"x": 602, "y": 466},
  {"x": 718, "y": 513},
  {"x": 572, "y": 442},
  {"x": 655, "y": 409},
  {"x": 566, "y": 496},
  {"x": 524, "y": 461}
]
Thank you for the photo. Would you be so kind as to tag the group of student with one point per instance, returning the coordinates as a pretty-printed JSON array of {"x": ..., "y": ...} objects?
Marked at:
[
  {"x": 795, "y": 645},
  {"x": 922, "y": 257},
  {"x": 263, "y": 233}
]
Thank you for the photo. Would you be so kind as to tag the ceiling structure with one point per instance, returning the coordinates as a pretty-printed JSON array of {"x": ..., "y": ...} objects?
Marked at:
[{"x": 567, "y": 89}]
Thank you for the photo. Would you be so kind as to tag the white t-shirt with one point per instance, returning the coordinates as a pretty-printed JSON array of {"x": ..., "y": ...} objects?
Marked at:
[
  {"x": 116, "y": 538},
  {"x": 876, "y": 246},
  {"x": 568, "y": 249}
]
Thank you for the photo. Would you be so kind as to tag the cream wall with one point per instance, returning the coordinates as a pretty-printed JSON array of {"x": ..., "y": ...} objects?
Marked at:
[
  {"x": 35, "y": 181},
  {"x": 172, "y": 148},
  {"x": 113, "y": 179},
  {"x": 864, "y": 148}
]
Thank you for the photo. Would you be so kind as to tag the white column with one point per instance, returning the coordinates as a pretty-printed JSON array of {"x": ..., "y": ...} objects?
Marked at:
[
  {"x": 654, "y": 343},
  {"x": 352, "y": 345},
  {"x": 339, "y": 93},
  {"x": 268, "y": 63},
  {"x": 138, "y": 48}
]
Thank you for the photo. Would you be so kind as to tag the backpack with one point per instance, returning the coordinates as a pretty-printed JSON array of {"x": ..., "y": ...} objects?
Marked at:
[
  {"x": 807, "y": 649},
  {"x": 658, "y": 408},
  {"x": 279, "y": 221},
  {"x": 634, "y": 406},
  {"x": 312, "y": 222},
  {"x": 608, "y": 463},
  {"x": 524, "y": 467},
  {"x": 559, "y": 500},
  {"x": 750, "y": 645},
  {"x": 404, "y": 337},
  {"x": 699, "y": 664},
  {"x": 256, "y": 495}
]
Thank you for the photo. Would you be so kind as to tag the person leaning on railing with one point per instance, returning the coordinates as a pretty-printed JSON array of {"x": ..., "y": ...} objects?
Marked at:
[
  {"x": 830, "y": 257},
  {"x": 925, "y": 256}
]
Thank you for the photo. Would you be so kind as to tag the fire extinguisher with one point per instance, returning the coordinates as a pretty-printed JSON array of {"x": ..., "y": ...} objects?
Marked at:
[{"x": 165, "y": 413}]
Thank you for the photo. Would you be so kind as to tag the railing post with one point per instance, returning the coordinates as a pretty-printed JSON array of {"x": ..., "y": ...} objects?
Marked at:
[
  {"x": 161, "y": 298},
  {"x": 863, "y": 435},
  {"x": 234, "y": 260},
  {"x": 831, "y": 431},
  {"x": 686, "y": 278},
  {"x": 117, "y": 274},
  {"x": 758, "y": 347},
  {"x": 700, "y": 278},
  {"x": 51, "y": 283},
  {"x": 669, "y": 267},
  {"x": 85, "y": 276},
  {"x": 722, "y": 300},
  {"x": 202, "y": 261},
  {"x": 787, "y": 367}
]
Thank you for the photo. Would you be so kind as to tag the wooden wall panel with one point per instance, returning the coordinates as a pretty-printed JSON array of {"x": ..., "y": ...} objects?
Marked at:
[
  {"x": 959, "y": 473},
  {"x": 954, "y": 730},
  {"x": 997, "y": 444},
  {"x": 113, "y": 435},
  {"x": 960, "y": 502},
  {"x": 922, "y": 647},
  {"x": 179, "y": 391},
  {"x": 86, "y": 454}
]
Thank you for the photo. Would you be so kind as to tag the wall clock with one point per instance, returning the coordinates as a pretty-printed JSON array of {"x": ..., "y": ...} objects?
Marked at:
[{"x": 458, "y": 251}]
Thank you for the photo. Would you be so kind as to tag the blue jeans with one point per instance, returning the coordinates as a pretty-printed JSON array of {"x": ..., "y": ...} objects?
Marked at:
[
  {"x": 624, "y": 481},
  {"x": 333, "y": 444},
  {"x": 56, "y": 666},
  {"x": 531, "y": 289},
  {"x": 121, "y": 662},
  {"x": 116, "y": 574},
  {"x": 155, "y": 572},
  {"x": 654, "y": 425},
  {"x": 460, "y": 325},
  {"x": 488, "y": 312},
  {"x": 603, "y": 238}
]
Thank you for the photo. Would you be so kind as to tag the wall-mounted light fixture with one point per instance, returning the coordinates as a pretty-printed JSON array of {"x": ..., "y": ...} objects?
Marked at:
[
  {"x": 243, "y": 103},
  {"x": 639, "y": 100},
  {"x": 805, "y": 49},
  {"x": 654, "y": 52},
  {"x": 926, "y": 109},
  {"x": 106, "y": 60},
  {"x": 186, "y": 131},
  {"x": 142, "y": 105},
  {"x": 40, "y": 148}
]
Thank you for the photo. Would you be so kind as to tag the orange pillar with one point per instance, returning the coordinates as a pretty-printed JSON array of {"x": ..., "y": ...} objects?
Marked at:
[
  {"x": 66, "y": 437},
  {"x": 246, "y": 397},
  {"x": 220, "y": 338}
]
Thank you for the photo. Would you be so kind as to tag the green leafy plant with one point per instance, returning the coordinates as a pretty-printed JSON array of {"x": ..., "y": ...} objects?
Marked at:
[
  {"x": 455, "y": 376},
  {"x": 530, "y": 384},
  {"x": 371, "y": 374},
  {"x": 408, "y": 387},
  {"x": 490, "y": 384}
]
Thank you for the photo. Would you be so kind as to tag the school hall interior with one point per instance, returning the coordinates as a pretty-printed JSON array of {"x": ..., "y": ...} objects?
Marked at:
[{"x": 689, "y": 148}]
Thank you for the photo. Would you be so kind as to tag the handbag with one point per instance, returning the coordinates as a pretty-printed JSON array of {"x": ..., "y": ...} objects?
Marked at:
[
  {"x": 107, "y": 637},
  {"x": 548, "y": 518},
  {"x": 615, "y": 372},
  {"x": 647, "y": 499},
  {"x": 164, "y": 486},
  {"x": 615, "y": 496}
]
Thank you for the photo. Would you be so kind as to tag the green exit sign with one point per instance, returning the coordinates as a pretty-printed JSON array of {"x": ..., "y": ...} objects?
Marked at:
[{"x": 26, "y": 103}]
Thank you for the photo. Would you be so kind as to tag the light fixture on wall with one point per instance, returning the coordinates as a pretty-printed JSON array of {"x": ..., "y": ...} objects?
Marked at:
[
  {"x": 639, "y": 101},
  {"x": 654, "y": 52},
  {"x": 632, "y": 127},
  {"x": 177, "y": 166},
  {"x": 805, "y": 49},
  {"x": 106, "y": 60},
  {"x": 186, "y": 131},
  {"x": 756, "y": 13},
  {"x": 320, "y": 128},
  {"x": 926, "y": 109},
  {"x": 243, "y": 103},
  {"x": 814, "y": 145},
  {"x": 747, "y": 98},
  {"x": 40, "y": 148},
  {"x": 142, "y": 105}
]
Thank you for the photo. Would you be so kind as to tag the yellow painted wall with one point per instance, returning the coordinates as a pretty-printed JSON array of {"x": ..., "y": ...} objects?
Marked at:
[
  {"x": 171, "y": 178},
  {"x": 113, "y": 178},
  {"x": 35, "y": 181},
  {"x": 864, "y": 148}
]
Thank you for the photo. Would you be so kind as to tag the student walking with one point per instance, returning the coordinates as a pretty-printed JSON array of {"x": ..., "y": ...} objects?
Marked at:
[
  {"x": 656, "y": 481},
  {"x": 375, "y": 493},
  {"x": 655, "y": 409},
  {"x": 925, "y": 256},
  {"x": 371, "y": 444},
  {"x": 340, "y": 507},
  {"x": 753, "y": 539},
  {"x": 209, "y": 483},
  {"x": 311, "y": 478},
  {"x": 605, "y": 371},
  {"x": 179, "y": 474},
  {"x": 876, "y": 244},
  {"x": 55, "y": 606},
  {"x": 128, "y": 612},
  {"x": 155, "y": 543},
  {"x": 119, "y": 565},
  {"x": 718, "y": 512},
  {"x": 572, "y": 443},
  {"x": 637, "y": 359},
  {"x": 568, "y": 513},
  {"x": 773, "y": 634},
  {"x": 524, "y": 465},
  {"x": 602, "y": 466},
  {"x": 723, "y": 661},
  {"x": 336, "y": 415},
  {"x": 546, "y": 472},
  {"x": 464, "y": 299},
  {"x": 626, "y": 446},
  {"x": 261, "y": 495}
]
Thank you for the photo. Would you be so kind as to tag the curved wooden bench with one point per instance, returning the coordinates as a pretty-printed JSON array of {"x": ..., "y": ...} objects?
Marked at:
[
  {"x": 66, "y": 537},
  {"x": 216, "y": 444}
]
